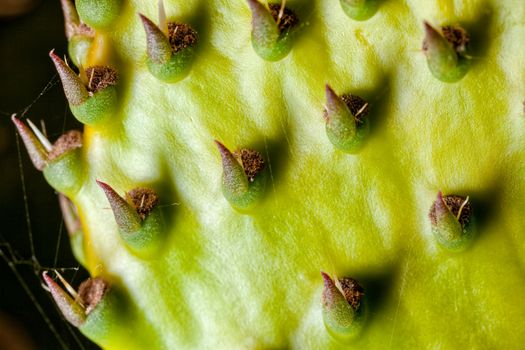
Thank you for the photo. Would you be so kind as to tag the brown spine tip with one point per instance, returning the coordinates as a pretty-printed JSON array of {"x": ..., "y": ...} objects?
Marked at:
[
  {"x": 429, "y": 30},
  {"x": 126, "y": 216},
  {"x": 265, "y": 30},
  {"x": 37, "y": 153},
  {"x": 222, "y": 149},
  {"x": 71, "y": 19},
  {"x": 72, "y": 311},
  {"x": 332, "y": 99},
  {"x": 328, "y": 282},
  {"x": 336, "y": 108},
  {"x": 228, "y": 160},
  {"x": 432, "y": 39},
  {"x": 76, "y": 92},
  {"x": 158, "y": 45},
  {"x": 330, "y": 292}
]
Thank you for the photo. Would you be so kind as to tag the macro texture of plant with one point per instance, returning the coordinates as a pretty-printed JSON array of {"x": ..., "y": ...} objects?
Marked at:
[{"x": 305, "y": 174}]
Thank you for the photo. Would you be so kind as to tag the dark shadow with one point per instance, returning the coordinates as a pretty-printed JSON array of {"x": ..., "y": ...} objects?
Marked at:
[
  {"x": 276, "y": 152},
  {"x": 168, "y": 200},
  {"x": 379, "y": 99},
  {"x": 377, "y": 286},
  {"x": 485, "y": 206},
  {"x": 304, "y": 9},
  {"x": 479, "y": 31},
  {"x": 200, "y": 21}
]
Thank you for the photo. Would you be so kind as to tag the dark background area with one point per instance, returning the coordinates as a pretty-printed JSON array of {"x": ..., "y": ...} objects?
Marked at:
[{"x": 25, "y": 72}]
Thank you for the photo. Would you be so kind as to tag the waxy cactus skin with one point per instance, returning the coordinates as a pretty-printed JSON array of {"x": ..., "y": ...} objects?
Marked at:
[{"x": 229, "y": 279}]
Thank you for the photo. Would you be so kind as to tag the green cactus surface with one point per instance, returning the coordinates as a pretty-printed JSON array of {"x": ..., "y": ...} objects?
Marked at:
[{"x": 224, "y": 193}]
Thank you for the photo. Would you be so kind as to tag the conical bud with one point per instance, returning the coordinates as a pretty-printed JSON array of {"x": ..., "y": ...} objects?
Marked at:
[
  {"x": 243, "y": 179},
  {"x": 452, "y": 221},
  {"x": 72, "y": 311},
  {"x": 138, "y": 218},
  {"x": 101, "y": 312},
  {"x": 71, "y": 20},
  {"x": 125, "y": 215},
  {"x": 93, "y": 309},
  {"x": 446, "y": 58},
  {"x": 360, "y": 10},
  {"x": 99, "y": 14},
  {"x": 113, "y": 320},
  {"x": 79, "y": 35},
  {"x": 61, "y": 163},
  {"x": 272, "y": 30},
  {"x": 65, "y": 171},
  {"x": 76, "y": 92},
  {"x": 159, "y": 48},
  {"x": 170, "y": 55},
  {"x": 265, "y": 31},
  {"x": 92, "y": 101},
  {"x": 343, "y": 310},
  {"x": 346, "y": 121},
  {"x": 37, "y": 153}
]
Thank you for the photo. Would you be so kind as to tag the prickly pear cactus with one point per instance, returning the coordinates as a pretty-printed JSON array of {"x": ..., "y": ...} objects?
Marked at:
[{"x": 307, "y": 174}]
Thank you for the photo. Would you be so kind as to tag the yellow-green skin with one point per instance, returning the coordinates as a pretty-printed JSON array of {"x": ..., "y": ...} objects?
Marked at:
[{"x": 226, "y": 280}]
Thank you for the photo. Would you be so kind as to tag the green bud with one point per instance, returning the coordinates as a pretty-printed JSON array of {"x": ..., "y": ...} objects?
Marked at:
[
  {"x": 93, "y": 101},
  {"x": 446, "y": 56},
  {"x": 99, "y": 14},
  {"x": 273, "y": 29},
  {"x": 171, "y": 54},
  {"x": 452, "y": 222},
  {"x": 360, "y": 10},
  {"x": 65, "y": 171},
  {"x": 79, "y": 35},
  {"x": 346, "y": 119},
  {"x": 78, "y": 49},
  {"x": 102, "y": 312},
  {"x": 95, "y": 309},
  {"x": 138, "y": 218},
  {"x": 112, "y": 320},
  {"x": 37, "y": 151},
  {"x": 76, "y": 92},
  {"x": 343, "y": 309},
  {"x": 61, "y": 162},
  {"x": 243, "y": 179},
  {"x": 71, "y": 309},
  {"x": 102, "y": 306},
  {"x": 98, "y": 108}
]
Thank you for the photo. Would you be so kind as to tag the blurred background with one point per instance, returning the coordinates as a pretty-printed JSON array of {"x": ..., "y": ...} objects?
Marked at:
[{"x": 29, "y": 29}]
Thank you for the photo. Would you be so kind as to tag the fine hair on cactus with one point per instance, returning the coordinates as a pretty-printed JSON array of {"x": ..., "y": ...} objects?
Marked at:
[{"x": 289, "y": 174}]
